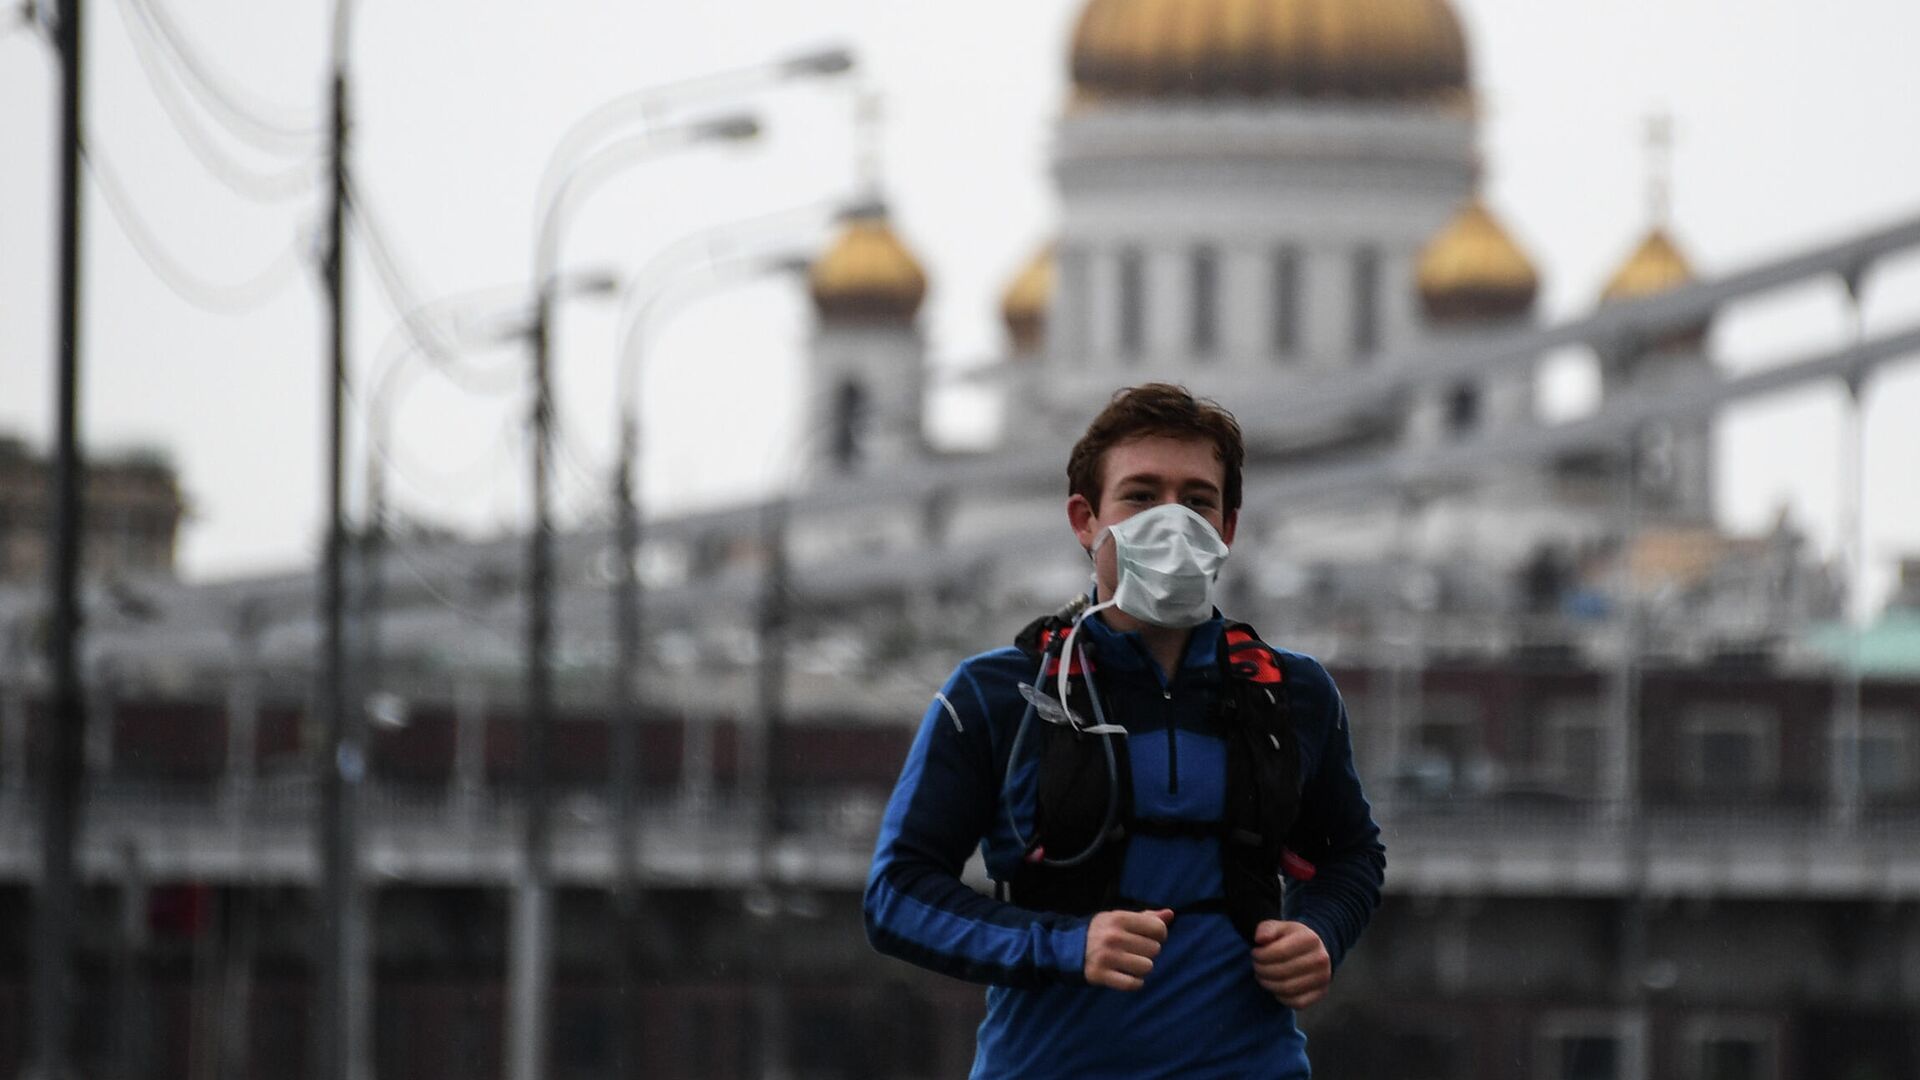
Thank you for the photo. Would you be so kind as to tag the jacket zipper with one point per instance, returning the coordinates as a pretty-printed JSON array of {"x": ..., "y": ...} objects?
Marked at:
[{"x": 1173, "y": 745}]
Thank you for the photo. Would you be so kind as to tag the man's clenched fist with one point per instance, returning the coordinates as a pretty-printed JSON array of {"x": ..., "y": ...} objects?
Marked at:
[
  {"x": 1121, "y": 946},
  {"x": 1291, "y": 962}
]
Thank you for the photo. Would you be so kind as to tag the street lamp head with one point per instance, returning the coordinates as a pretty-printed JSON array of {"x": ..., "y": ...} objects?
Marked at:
[
  {"x": 733, "y": 127},
  {"x": 596, "y": 282},
  {"x": 831, "y": 60},
  {"x": 795, "y": 264}
]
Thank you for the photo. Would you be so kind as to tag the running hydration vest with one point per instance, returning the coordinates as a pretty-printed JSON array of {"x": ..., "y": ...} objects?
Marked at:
[{"x": 1082, "y": 825}]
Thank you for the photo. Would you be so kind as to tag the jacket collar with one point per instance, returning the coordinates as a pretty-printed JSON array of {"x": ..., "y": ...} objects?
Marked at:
[{"x": 1122, "y": 650}]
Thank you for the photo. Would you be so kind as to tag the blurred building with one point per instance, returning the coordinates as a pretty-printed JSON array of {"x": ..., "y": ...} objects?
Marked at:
[
  {"x": 1649, "y": 814},
  {"x": 134, "y": 510}
]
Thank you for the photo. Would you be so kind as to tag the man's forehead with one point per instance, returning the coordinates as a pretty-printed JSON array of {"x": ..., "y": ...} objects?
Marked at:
[{"x": 1189, "y": 462}]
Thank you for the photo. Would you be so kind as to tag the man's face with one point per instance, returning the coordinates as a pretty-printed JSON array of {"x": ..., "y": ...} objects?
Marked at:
[{"x": 1146, "y": 472}]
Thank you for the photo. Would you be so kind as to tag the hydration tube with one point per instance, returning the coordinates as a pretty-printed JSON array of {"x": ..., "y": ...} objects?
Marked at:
[{"x": 1106, "y": 733}]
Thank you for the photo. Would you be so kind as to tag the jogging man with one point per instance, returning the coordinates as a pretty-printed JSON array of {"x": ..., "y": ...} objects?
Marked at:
[{"x": 1138, "y": 773}]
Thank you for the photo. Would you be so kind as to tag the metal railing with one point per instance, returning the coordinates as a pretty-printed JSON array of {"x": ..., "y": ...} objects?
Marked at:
[{"x": 1498, "y": 842}]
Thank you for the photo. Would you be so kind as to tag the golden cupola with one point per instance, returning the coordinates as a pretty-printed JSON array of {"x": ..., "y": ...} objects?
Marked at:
[
  {"x": 1473, "y": 270},
  {"x": 1656, "y": 266},
  {"x": 1375, "y": 49},
  {"x": 868, "y": 275},
  {"x": 1023, "y": 307}
]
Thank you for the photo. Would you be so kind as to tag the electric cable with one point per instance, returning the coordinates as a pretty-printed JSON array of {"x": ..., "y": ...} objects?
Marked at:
[
  {"x": 446, "y": 485},
  {"x": 244, "y": 119},
  {"x": 244, "y": 180},
  {"x": 396, "y": 359},
  {"x": 420, "y": 324},
  {"x": 404, "y": 299},
  {"x": 216, "y": 297},
  {"x": 366, "y": 407},
  {"x": 401, "y": 295}
]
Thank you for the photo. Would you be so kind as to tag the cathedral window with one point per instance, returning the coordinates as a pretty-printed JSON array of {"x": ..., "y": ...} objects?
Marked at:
[
  {"x": 1286, "y": 302},
  {"x": 1133, "y": 303},
  {"x": 1463, "y": 409},
  {"x": 1366, "y": 302},
  {"x": 1206, "y": 301},
  {"x": 850, "y": 422}
]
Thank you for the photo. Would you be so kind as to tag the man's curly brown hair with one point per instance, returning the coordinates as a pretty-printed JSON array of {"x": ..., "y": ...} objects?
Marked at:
[{"x": 1152, "y": 409}]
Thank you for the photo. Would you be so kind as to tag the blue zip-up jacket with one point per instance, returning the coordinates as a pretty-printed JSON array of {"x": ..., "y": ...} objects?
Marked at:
[{"x": 1201, "y": 1012}]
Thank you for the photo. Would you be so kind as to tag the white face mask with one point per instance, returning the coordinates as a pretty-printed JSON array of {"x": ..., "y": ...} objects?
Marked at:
[{"x": 1166, "y": 558}]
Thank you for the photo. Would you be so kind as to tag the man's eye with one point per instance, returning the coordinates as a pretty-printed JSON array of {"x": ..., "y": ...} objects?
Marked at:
[
  {"x": 1201, "y": 502},
  {"x": 1136, "y": 496}
]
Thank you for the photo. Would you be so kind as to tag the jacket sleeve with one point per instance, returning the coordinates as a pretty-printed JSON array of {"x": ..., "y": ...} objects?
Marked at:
[
  {"x": 917, "y": 908},
  {"x": 1337, "y": 833}
]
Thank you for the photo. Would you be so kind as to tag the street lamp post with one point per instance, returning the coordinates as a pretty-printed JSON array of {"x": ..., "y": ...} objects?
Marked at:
[
  {"x": 625, "y": 717},
  {"x": 531, "y": 967},
  {"x": 64, "y": 749},
  {"x": 339, "y": 1040},
  {"x": 569, "y": 175}
]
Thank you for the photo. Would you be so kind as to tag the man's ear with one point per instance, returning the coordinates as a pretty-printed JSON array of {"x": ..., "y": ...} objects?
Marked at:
[
  {"x": 1228, "y": 525},
  {"x": 1081, "y": 515}
]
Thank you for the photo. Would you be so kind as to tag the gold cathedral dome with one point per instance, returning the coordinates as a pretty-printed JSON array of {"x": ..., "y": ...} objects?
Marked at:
[
  {"x": 1024, "y": 305},
  {"x": 1382, "y": 49},
  {"x": 1472, "y": 269},
  {"x": 868, "y": 274},
  {"x": 1655, "y": 266}
]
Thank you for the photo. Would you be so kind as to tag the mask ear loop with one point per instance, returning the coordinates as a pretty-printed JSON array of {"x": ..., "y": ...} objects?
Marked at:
[{"x": 1101, "y": 727}]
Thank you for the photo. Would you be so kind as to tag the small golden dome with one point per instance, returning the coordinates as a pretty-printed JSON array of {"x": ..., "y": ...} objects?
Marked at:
[
  {"x": 1655, "y": 266},
  {"x": 868, "y": 274},
  {"x": 1391, "y": 49},
  {"x": 1472, "y": 269},
  {"x": 1024, "y": 305}
]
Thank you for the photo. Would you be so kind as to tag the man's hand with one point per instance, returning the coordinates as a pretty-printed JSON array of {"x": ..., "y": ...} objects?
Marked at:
[
  {"x": 1121, "y": 946},
  {"x": 1291, "y": 962}
]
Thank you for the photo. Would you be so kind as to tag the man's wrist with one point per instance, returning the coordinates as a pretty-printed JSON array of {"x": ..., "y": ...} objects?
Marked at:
[{"x": 1322, "y": 932}]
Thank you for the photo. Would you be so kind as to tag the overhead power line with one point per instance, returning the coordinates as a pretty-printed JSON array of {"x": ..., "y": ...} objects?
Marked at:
[
  {"x": 284, "y": 183},
  {"x": 403, "y": 297},
  {"x": 374, "y": 409},
  {"x": 247, "y": 119},
  {"x": 220, "y": 298},
  {"x": 445, "y": 488}
]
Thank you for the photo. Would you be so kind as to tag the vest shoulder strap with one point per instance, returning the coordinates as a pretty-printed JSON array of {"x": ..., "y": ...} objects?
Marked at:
[
  {"x": 1245, "y": 657},
  {"x": 1049, "y": 631}
]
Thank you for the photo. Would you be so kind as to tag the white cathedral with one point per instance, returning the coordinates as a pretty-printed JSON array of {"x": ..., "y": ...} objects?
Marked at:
[{"x": 1265, "y": 201}]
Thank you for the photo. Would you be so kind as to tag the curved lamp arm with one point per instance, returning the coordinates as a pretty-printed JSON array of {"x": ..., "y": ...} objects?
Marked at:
[
  {"x": 581, "y": 180},
  {"x": 643, "y": 105}
]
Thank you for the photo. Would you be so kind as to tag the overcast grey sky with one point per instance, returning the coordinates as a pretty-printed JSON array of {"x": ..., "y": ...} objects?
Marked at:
[{"x": 1795, "y": 123}]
